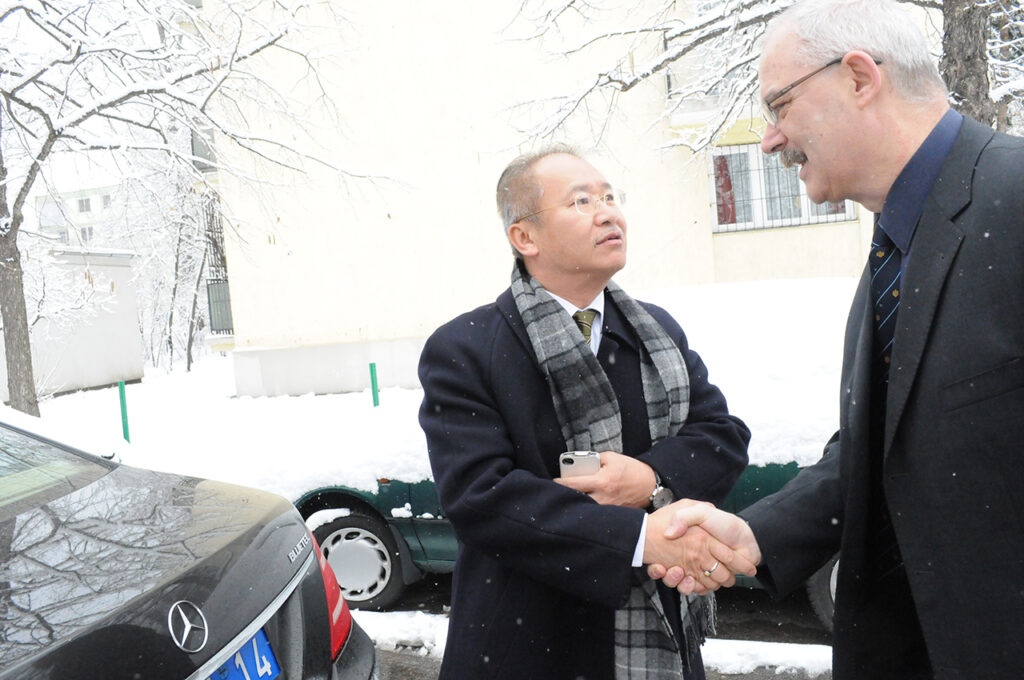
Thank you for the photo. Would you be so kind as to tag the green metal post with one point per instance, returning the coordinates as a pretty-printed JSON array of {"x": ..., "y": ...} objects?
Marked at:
[
  {"x": 124, "y": 411},
  {"x": 373, "y": 384}
]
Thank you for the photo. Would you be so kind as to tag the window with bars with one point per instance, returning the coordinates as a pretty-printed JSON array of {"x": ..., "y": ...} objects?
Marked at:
[
  {"x": 755, "y": 191},
  {"x": 218, "y": 294}
]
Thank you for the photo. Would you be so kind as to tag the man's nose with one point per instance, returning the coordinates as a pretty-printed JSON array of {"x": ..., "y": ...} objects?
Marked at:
[
  {"x": 773, "y": 140},
  {"x": 604, "y": 213}
]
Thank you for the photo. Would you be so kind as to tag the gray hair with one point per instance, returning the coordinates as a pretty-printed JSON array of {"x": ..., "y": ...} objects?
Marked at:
[
  {"x": 828, "y": 29},
  {"x": 518, "y": 191}
]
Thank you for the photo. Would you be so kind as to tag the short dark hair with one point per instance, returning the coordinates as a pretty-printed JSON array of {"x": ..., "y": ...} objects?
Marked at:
[{"x": 518, "y": 191}]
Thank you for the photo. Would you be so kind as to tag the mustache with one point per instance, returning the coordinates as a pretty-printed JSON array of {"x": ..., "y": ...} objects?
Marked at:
[{"x": 791, "y": 157}]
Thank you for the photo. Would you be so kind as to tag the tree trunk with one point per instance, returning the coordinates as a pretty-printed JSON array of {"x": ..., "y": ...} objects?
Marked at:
[
  {"x": 1008, "y": 26},
  {"x": 965, "y": 58},
  {"x": 174, "y": 296},
  {"x": 20, "y": 379},
  {"x": 194, "y": 316}
]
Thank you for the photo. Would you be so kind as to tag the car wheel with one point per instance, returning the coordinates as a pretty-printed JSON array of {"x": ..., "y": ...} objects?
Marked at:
[
  {"x": 821, "y": 590},
  {"x": 365, "y": 559}
]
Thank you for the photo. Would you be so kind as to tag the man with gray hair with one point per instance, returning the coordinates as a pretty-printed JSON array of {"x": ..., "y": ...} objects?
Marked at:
[
  {"x": 921, "y": 487},
  {"x": 549, "y": 582}
]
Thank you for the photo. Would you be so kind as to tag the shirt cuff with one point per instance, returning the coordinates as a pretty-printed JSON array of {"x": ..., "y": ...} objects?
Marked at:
[{"x": 638, "y": 554}]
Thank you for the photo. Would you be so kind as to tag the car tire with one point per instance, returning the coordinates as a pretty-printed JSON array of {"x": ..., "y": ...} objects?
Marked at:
[
  {"x": 365, "y": 558},
  {"x": 821, "y": 590}
]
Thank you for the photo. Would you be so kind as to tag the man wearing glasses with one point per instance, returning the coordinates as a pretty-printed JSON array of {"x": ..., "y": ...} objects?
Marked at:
[
  {"x": 548, "y": 581},
  {"x": 921, "y": 488}
]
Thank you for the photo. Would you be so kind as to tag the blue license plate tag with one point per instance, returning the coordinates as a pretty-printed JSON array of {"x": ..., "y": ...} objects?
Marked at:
[{"x": 253, "y": 661}]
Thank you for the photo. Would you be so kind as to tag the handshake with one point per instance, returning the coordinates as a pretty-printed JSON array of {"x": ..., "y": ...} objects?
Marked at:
[{"x": 697, "y": 548}]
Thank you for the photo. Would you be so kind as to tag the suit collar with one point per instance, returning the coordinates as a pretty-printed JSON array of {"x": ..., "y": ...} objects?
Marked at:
[
  {"x": 616, "y": 326},
  {"x": 906, "y": 199},
  {"x": 952, "y": 190}
]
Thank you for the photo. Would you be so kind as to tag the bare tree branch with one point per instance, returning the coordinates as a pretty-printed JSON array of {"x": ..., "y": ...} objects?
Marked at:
[
  {"x": 723, "y": 38},
  {"x": 136, "y": 80}
]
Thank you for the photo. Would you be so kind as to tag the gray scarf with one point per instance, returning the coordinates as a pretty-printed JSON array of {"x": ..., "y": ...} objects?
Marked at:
[{"x": 588, "y": 412}]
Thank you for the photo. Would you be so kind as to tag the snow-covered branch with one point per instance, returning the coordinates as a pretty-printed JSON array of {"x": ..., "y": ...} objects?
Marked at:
[
  {"x": 141, "y": 84},
  {"x": 707, "y": 50}
]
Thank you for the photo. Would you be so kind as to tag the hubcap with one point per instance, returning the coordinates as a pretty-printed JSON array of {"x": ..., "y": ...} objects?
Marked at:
[{"x": 360, "y": 561}]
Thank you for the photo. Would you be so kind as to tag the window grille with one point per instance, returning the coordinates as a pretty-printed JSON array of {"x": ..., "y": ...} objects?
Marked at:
[
  {"x": 753, "y": 190},
  {"x": 218, "y": 298},
  {"x": 218, "y": 295}
]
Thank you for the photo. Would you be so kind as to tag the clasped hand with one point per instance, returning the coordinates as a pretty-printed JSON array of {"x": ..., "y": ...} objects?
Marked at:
[{"x": 697, "y": 548}]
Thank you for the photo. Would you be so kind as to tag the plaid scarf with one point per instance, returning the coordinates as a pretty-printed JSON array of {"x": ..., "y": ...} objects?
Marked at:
[{"x": 588, "y": 412}]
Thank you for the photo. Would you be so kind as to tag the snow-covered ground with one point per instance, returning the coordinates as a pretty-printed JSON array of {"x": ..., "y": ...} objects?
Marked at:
[
  {"x": 773, "y": 347},
  {"x": 426, "y": 634}
]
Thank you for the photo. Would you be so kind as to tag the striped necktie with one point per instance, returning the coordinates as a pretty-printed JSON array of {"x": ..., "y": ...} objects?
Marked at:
[
  {"x": 585, "y": 320},
  {"x": 885, "y": 292}
]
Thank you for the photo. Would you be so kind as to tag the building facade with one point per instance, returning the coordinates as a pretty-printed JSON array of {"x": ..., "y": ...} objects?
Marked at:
[{"x": 393, "y": 230}]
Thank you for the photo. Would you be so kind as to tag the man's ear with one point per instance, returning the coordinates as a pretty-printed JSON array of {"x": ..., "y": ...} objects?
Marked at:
[
  {"x": 865, "y": 74},
  {"x": 520, "y": 235}
]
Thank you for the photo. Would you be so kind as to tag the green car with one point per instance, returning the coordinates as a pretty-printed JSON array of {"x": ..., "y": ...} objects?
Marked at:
[{"x": 378, "y": 543}]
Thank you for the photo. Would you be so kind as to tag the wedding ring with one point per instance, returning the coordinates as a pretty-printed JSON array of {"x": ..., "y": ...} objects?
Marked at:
[{"x": 707, "y": 572}]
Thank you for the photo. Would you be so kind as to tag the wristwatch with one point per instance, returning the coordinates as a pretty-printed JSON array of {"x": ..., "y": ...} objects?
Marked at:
[{"x": 661, "y": 496}]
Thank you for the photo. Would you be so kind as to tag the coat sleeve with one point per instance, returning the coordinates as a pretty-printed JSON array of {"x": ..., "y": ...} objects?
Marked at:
[
  {"x": 799, "y": 527},
  {"x": 708, "y": 454},
  {"x": 498, "y": 507}
]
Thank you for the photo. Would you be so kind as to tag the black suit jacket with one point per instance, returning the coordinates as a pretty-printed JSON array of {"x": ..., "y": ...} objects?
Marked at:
[
  {"x": 952, "y": 467},
  {"x": 541, "y": 568}
]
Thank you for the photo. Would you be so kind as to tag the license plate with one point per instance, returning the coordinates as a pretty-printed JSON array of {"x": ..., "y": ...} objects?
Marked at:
[{"x": 253, "y": 661}]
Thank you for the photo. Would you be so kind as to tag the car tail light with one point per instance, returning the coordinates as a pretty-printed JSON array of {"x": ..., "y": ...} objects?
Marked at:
[{"x": 337, "y": 608}]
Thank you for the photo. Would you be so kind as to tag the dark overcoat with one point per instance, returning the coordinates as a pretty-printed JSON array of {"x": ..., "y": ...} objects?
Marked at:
[
  {"x": 541, "y": 567},
  {"x": 954, "y": 432}
]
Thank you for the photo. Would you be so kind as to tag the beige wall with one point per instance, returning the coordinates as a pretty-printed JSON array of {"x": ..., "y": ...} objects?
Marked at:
[{"x": 329, "y": 272}]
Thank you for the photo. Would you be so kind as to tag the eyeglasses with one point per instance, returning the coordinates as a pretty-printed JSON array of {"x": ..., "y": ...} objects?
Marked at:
[
  {"x": 586, "y": 203},
  {"x": 771, "y": 113}
]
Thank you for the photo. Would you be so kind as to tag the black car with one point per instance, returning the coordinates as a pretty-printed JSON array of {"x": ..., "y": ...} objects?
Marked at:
[{"x": 109, "y": 571}]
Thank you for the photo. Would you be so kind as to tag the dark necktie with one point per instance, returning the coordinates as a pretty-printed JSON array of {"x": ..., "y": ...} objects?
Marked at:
[
  {"x": 885, "y": 564},
  {"x": 585, "y": 320},
  {"x": 885, "y": 291}
]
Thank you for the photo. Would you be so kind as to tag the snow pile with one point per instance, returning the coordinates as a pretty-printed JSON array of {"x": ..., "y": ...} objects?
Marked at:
[
  {"x": 775, "y": 349},
  {"x": 193, "y": 424},
  {"x": 425, "y": 634},
  {"x": 778, "y": 367},
  {"x": 422, "y": 633},
  {"x": 732, "y": 657}
]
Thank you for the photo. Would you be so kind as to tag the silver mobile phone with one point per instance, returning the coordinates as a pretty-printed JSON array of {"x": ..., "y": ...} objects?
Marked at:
[{"x": 578, "y": 463}]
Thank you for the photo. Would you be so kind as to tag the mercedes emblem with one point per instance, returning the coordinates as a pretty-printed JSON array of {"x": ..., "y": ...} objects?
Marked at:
[{"x": 188, "y": 626}]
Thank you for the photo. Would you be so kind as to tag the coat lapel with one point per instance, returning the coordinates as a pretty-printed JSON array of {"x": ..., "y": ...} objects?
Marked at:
[
  {"x": 935, "y": 245},
  {"x": 926, "y": 275}
]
